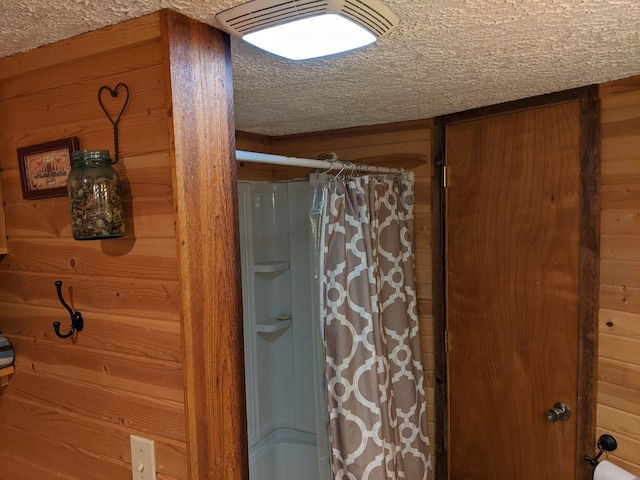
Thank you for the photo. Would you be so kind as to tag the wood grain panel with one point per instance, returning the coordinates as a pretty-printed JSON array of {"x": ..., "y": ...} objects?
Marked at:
[
  {"x": 205, "y": 195},
  {"x": 618, "y": 87},
  {"x": 14, "y": 467},
  {"x": 145, "y": 175},
  {"x": 620, "y": 297},
  {"x": 626, "y": 170},
  {"x": 96, "y": 439},
  {"x": 624, "y": 422},
  {"x": 133, "y": 412},
  {"x": 619, "y": 397},
  {"x": 626, "y": 196},
  {"x": 120, "y": 296},
  {"x": 620, "y": 247},
  {"x": 620, "y": 272},
  {"x": 425, "y": 308},
  {"x": 144, "y": 258},
  {"x": 148, "y": 208},
  {"x": 96, "y": 43},
  {"x": 61, "y": 75},
  {"x": 59, "y": 457},
  {"x": 622, "y": 146},
  {"x": 70, "y": 108},
  {"x": 133, "y": 336},
  {"x": 391, "y": 145},
  {"x": 622, "y": 324},
  {"x": 621, "y": 348},
  {"x": 348, "y": 138},
  {"x": 622, "y": 96},
  {"x": 252, "y": 171},
  {"x": 253, "y": 142},
  {"x": 619, "y": 339},
  {"x": 93, "y": 134},
  {"x": 620, "y": 222},
  {"x": 76, "y": 102},
  {"x": 71, "y": 405},
  {"x": 619, "y": 372},
  {"x": 146, "y": 217},
  {"x": 159, "y": 379}
]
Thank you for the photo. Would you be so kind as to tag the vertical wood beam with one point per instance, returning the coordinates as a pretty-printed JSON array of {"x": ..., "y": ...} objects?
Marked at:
[
  {"x": 589, "y": 276},
  {"x": 205, "y": 192},
  {"x": 438, "y": 229}
]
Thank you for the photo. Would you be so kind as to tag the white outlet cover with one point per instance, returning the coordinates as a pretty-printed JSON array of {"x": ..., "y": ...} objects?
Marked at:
[{"x": 143, "y": 458}]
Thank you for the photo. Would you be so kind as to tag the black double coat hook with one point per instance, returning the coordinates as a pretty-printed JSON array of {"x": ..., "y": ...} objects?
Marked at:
[{"x": 76, "y": 317}]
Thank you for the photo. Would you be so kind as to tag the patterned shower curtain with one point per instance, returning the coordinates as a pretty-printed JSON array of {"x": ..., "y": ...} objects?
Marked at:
[{"x": 377, "y": 410}]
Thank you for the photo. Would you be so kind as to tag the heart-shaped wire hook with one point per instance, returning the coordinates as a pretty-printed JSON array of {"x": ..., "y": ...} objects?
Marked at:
[{"x": 114, "y": 94}]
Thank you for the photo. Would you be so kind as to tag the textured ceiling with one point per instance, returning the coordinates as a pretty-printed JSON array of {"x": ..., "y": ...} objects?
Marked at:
[{"x": 445, "y": 56}]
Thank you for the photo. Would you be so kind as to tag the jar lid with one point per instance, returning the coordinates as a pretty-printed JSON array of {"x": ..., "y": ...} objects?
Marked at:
[{"x": 90, "y": 155}]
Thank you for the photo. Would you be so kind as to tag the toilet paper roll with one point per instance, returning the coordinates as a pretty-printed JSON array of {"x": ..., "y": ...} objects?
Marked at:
[{"x": 608, "y": 471}]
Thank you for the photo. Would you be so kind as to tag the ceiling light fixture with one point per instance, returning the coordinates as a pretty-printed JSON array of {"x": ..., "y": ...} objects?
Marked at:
[{"x": 303, "y": 29}]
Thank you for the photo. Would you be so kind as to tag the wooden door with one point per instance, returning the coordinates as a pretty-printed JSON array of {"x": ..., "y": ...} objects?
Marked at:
[{"x": 512, "y": 288}]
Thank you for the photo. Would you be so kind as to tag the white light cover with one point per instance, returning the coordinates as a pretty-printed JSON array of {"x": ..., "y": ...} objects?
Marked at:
[{"x": 311, "y": 37}]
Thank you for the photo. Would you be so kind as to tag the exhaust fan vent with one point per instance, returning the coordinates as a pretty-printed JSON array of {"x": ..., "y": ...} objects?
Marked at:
[
  {"x": 260, "y": 14},
  {"x": 377, "y": 21}
]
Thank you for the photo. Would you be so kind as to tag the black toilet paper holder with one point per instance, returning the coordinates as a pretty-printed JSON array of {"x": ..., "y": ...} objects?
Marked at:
[{"x": 606, "y": 443}]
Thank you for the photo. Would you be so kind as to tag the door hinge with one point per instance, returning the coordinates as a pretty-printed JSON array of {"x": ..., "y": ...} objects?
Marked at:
[{"x": 444, "y": 176}]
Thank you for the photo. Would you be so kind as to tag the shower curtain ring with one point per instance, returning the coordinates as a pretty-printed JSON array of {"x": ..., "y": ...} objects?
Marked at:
[{"x": 331, "y": 163}]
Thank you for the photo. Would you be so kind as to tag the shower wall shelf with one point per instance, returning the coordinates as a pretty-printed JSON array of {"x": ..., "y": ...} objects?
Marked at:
[
  {"x": 271, "y": 267},
  {"x": 272, "y": 325},
  {"x": 268, "y": 330},
  {"x": 280, "y": 377},
  {"x": 5, "y": 373}
]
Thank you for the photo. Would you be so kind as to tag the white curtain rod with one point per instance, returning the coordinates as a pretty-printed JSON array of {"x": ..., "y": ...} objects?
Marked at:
[{"x": 326, "y": 165}]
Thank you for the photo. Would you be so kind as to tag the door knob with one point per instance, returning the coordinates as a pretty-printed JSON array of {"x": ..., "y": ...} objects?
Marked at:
[{"x": 559, "y": 412}]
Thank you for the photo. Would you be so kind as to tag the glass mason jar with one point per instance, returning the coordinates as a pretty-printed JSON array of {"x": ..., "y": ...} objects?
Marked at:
[{"x": 94, "y": 195}]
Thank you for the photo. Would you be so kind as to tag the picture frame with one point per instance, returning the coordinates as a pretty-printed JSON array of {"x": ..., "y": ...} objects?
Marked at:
[{"x": 44, "y": 168}]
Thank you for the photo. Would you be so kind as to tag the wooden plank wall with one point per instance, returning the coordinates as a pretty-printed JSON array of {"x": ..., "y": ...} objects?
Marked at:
[
  {"x": 255, "y": 171},
  {"x": 619, "y": 338},
  {"x": 70, "y": 407},
  {"x": 406, "y": 145}
]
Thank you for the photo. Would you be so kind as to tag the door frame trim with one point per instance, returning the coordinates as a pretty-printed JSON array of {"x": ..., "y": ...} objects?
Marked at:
[{"x": 589, "y": 278}]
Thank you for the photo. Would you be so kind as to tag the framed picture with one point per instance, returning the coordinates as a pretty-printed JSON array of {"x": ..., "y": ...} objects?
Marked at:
[{"x": 44, "y": 168}]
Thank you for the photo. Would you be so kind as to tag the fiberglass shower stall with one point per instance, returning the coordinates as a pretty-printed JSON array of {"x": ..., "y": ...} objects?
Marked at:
[{"x": 282, "y": 384}]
